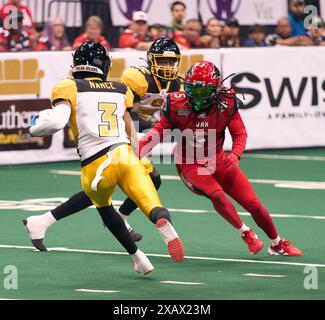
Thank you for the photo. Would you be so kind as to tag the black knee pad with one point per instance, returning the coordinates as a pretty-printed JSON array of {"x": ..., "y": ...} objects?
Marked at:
[
  {"x": 159, "y": 213},
  {"x": 155, "y": 177}
]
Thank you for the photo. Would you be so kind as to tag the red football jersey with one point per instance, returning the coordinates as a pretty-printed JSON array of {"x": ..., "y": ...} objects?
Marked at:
[
  {"x": 83, "y": 38},
  {"x": 200, "y": 135}
]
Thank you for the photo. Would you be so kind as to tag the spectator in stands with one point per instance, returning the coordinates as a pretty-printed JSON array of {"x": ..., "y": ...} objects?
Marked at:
[
  {"x": 282, "y": 31},
  {"x": 136, "y": 36},
  {"x": 37, "y": 41},
  {"x": 178, "y": 12},
  {"x": 230, "y": 34},
  {"x": 160, "y": 31},
  {"x": 93, "y": 32},
  {"x": 211, "y": 38},
  {"x": 55, "y": 31},
  {"x": 296, "y": 17},
  {"x": 15, "y": 39},
  {"x": 256, "y": 36},
  {"x": 313, "y": 37},
  {"x": 190, "y": 38},
  {"x": 6, "y": 10}
]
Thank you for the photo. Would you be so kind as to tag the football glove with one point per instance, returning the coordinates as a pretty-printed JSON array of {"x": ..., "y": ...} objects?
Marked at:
[{"x": 231, "y": 161}]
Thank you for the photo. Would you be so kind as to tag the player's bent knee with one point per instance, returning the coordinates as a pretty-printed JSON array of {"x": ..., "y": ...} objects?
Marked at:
[
  {"x": 159, "y": 213},
  {"x": 253, "y": 205},
  {"x": 219, "y": 199}
]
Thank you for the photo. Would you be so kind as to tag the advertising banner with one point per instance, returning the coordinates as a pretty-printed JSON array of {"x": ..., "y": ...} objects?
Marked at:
[
  {"x": 247, "y": 12},
  {"x": 283, "y": 92},
  {"x": 283, "y": 96}
]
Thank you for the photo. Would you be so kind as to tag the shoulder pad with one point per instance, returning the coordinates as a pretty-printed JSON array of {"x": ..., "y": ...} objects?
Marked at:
[{"x": 143, "y": 70}]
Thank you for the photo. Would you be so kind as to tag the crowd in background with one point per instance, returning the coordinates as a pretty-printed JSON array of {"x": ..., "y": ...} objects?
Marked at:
[{"x": 26, "y": 35}]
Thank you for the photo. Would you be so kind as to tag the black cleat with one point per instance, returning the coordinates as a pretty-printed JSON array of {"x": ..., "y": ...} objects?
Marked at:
[
  {"x": 136, "y": 236},
  {"x": 37, "y": 243}
]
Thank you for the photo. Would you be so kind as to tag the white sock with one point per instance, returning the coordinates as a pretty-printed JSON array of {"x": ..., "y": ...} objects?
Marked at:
[
  {"x": 136, "y": 256},
  {"x": 47, "y": 219},
  {"x": 243, "y": 228},
  {"x": 124, "y": 217},
  {"x": 276, "y": 241}
]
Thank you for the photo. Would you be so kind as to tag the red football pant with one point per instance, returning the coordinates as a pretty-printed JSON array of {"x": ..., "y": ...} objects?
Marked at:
[{"x": 234, "y": 183}]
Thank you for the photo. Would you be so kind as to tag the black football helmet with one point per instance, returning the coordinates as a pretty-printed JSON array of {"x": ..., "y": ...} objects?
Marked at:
[
  {"x": 164, "y": 59},
  {"x": 91, "y": 58}
]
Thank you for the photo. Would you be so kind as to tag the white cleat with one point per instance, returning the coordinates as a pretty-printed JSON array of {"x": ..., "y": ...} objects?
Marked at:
[
  {"x": 141, "y": 263},
  {"x": 36, "y": 231},
  {"x": 172, "y": 240}
]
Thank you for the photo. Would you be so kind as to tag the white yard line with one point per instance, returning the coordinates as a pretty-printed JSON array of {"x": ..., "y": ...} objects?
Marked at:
[
  {"x": 300, "y": 264},
  {"x": 291, "y": 216},
  {"x": 247, "y": 214},
  {"x": 66, "y": 172},
  {"x": 46, "y": 204},
  {"x": 180, "y": 282},
  {"x": 96, "y": 291},
  {"x": 274, "y": 181},
  {"x": 283, "y": 157},
  {"x": 319, "y": 185},
  {"x": 264, "y": 275}
]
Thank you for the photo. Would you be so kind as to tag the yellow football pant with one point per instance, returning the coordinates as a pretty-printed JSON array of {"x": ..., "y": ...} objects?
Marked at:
[{"x": 119, "y": 167}]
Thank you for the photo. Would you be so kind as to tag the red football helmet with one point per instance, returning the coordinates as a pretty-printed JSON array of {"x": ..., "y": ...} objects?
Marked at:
[{"x": 201, "y": 83}]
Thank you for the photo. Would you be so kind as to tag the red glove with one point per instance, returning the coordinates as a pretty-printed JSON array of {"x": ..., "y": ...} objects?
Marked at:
[{"x": 231, "y": 161}]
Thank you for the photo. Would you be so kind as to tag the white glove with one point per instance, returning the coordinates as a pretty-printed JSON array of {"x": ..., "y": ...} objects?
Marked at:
[
  {"x": 50, "y": 121},
  {"x": 149, "y": 98}
]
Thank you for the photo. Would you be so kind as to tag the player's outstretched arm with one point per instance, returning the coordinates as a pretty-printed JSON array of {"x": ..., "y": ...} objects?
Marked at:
[
  {"x": 155, "y": 135},
  {"x": 51, "y": 121}
]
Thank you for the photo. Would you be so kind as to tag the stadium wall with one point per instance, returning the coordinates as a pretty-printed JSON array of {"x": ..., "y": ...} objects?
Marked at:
[{"x": 282, "y": 89}]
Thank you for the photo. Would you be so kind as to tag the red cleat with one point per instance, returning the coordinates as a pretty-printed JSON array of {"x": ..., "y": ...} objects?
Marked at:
[
  {"x": 172, "y": 240},
  {"x": 253, "y": 243},
  {"x": 284, "y": 248}
]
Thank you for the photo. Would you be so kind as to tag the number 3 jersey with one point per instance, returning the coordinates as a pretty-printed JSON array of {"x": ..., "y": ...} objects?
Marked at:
[{"x": 97, "y": 110}]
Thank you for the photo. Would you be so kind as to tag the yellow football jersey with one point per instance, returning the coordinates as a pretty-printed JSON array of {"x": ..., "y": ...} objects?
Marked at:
[
  {"x": 97, "y": 110},
  {"x": 142, "y": 82}
]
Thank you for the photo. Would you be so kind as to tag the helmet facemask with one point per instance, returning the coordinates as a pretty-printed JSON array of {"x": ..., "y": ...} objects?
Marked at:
[
  {"x": 165, "y": 66},
  {"x": 200, "y": 95}
]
